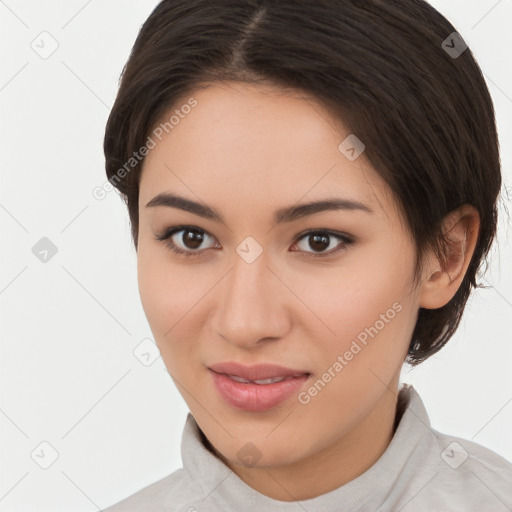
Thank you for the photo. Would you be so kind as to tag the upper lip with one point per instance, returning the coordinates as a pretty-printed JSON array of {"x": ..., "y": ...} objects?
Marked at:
[{"x": 255, "y": 372}]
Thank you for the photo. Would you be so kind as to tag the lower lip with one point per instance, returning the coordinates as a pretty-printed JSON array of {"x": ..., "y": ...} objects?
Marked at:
[{"x": 256, "y": 397}]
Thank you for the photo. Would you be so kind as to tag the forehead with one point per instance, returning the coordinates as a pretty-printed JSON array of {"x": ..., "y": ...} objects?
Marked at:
[{"x": 253, "y": 141}]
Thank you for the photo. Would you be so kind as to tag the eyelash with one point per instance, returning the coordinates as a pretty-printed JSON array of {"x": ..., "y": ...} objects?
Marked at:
[{"x": 169, "y": 232}]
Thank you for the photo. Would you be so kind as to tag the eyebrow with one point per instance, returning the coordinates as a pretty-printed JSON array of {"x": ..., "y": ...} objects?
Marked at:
[{"x": 282, "y": 215}]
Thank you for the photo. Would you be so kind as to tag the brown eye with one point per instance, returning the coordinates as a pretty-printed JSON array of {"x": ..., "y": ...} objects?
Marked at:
[
  {"x": 185, "y": 240},
  {"x": 320, "y": 241},
  {"x": 192, "y": 238}
]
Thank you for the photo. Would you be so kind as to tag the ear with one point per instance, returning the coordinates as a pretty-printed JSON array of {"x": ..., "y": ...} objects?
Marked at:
[{"x": 441, "y": 279}]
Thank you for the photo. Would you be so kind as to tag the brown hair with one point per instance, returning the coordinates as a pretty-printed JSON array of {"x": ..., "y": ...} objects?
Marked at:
[{"x": 424, "y": 113}]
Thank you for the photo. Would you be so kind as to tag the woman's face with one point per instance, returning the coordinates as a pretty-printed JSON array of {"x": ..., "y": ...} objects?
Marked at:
[{"x": 336, "y": 305}]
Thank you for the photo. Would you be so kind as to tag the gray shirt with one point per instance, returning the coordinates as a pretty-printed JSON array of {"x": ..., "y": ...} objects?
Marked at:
[{"x": 421, "y": 470}]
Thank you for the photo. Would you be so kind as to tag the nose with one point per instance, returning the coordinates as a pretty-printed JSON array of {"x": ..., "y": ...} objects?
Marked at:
[{"x": 252, "y": 304}]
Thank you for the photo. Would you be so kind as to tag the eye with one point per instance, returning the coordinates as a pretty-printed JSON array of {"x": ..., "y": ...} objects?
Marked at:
[
  {"x": 322, "y": 240},
  {"x": 188, "y": 241},
  {"x": 186, "y": 244}
]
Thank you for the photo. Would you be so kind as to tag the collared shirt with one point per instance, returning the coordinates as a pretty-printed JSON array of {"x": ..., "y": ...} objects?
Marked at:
[{"x": 421, "y": 470}]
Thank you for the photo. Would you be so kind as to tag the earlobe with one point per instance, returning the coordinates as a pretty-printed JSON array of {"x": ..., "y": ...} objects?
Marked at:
[{"x": 442, "y": 278}]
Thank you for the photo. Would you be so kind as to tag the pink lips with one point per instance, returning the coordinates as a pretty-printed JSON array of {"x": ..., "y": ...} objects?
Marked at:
[{"x": 252, "y": 396}]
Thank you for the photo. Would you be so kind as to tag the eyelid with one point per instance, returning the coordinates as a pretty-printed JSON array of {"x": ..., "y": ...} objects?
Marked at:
[
  {"x": 345, "y": 239},
  {"x": 165, "y": 236}
]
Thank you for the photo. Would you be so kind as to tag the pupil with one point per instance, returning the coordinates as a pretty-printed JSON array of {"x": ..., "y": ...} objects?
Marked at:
[
  {"x": 320, "y": 242},
  {"x": 192, "y": 239}
]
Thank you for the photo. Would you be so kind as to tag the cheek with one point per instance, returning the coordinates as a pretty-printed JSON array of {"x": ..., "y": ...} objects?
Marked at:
[
  {"x": 172, "y": 299},
  {"x": 163, "y": 291},
  {"x": 366, "y": 303},
  {"x": 152, "y": 288},
  {"x": 372, "y": 313}
]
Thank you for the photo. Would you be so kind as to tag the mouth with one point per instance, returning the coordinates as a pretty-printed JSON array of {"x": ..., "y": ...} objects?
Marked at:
[
  {"x": 259, "y": 373},
  {"x": 260, "y": 382},
  {"x": 259, "y": 388}
]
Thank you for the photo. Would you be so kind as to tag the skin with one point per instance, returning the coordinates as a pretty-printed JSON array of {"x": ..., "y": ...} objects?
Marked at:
[{"x": 247, "y": 151}]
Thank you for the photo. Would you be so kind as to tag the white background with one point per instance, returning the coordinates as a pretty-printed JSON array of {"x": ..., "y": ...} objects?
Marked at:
[{"x": 69, "y": 326}]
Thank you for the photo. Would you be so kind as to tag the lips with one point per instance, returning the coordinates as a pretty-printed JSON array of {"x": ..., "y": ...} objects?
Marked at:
[
  {"x": 257, "y": 395},
  {"x": 257, "y": 372}
]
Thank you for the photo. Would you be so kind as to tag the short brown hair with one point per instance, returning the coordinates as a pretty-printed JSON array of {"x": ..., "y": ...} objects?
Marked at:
[{"x": 424, "y": 114}]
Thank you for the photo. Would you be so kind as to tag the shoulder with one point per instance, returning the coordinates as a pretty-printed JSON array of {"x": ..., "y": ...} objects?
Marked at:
[
  {"x": 433, "y": 471},
  {"x": 170, "y": 493},
  {"x": 458, "y": 453},
  {"x": 463, "y": 476}
]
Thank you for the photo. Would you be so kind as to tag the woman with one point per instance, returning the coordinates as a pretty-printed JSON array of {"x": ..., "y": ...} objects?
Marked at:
[{"x": 312, "y": 189}]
